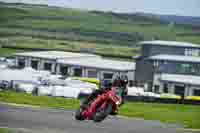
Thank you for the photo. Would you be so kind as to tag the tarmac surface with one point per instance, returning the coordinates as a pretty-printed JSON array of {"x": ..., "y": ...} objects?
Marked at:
[{"x": 43, "y": 120}]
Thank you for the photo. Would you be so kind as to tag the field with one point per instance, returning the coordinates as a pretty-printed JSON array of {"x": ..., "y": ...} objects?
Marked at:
[
  {"x": 6, "y": 52},
  {"x": 28, "y": 43},
  {"x": 20, "y": 98},
  {"x": 170, "y": 113},
  {"x": 32, "y": 27},
  {"x": 186, "y": 115},
  {"x": 2, "y": 130}
]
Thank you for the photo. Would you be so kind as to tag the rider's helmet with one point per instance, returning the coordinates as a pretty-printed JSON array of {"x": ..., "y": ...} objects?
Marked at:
[{"x": 124, "y": 80}]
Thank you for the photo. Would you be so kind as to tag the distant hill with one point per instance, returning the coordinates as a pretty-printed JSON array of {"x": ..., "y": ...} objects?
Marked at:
[
  {"x": 105, "y": 33},
  {"x": 186, "y": 20},
  {"x": 194, "y": 21}
]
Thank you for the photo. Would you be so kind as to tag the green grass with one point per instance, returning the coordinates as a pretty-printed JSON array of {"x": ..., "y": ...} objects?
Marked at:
[
  {"x": 76, "y": 46},
  {"x": 187, "y": 115},
  {"x": 72, "y": 30},
  {"x": 55, "y": 102},
  {"x": 3, "y": 130},
  {"x": 193, "y": 39},
  {"x": 5, "y": 52}
]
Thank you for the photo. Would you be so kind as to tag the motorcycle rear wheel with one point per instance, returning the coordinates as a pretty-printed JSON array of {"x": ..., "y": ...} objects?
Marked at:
[{"x": 102, "y": 114}]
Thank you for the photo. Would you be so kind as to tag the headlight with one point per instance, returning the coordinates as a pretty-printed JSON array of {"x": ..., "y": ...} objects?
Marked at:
[
  {"x": 118, "y": 103},
  {"x": 110, "y": 96}
]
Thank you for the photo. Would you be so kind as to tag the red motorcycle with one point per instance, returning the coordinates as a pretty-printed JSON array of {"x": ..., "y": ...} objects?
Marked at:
[{"x": 101, "y": 107}]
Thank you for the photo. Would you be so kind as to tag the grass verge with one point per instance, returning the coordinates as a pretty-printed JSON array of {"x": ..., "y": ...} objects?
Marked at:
[
  {"x": 6, "y": 52},
  {"x": 187, "y": 115},
  {"x": 45, "y": 101},
  {"x": 3, "y": 130}
]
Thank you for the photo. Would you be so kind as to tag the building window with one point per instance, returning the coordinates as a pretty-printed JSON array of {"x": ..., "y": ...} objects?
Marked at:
[
  {"x": 21, "y": 63},
  {"x": 92, "y": 74},
  {"x": 179, "y": 90},
  {"x": 196, "y": 92},
  {"x": 165, "y": 88},
  {"x": 47, "y": 66},
  {"x": 156, "y": 88},
  {"x": 108, "y": 75},
  {"x": 183, "y": 68},
  {"x": 186, "y": 68},
  {"x": 191, "y": 52},
  {"x": 148, "y": 86},
  {"x": 78, "y": 72},
  {"x": 34, "y": 64},
  {"x": 64, "y": 70}
]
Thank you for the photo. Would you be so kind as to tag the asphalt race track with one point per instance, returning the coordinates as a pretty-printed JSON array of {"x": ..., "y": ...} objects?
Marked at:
[{"x": 36, "y": 120}]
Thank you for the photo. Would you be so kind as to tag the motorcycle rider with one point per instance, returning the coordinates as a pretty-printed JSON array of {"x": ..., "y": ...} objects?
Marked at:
[
  {"x": 124, "y": 83},
  {"x": 95, "y": 93},
  {"x": 119, "y": 83}
]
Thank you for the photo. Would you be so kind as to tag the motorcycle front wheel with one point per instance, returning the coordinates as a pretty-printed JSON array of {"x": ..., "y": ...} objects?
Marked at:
[
  {"x": 102, "y": 114},
  {"x": 78, "y": 114}
]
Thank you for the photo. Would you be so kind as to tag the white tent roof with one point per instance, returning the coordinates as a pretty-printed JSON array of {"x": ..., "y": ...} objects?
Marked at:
[
  {"x": 26, "y": 74},
  {"x": 55, "y": 54},
  {"x": 3, "y": 66},
  {"x": 8, "y": 75},
  {"x": 65, "y": 91},
  {"x": 80, "y": 84},
  {"x": 100, "y": 64},
  {"x": 29, "y": 69}
]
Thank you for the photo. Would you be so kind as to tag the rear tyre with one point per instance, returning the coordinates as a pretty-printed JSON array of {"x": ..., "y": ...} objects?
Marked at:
[
  {"x": 113, "y": 113},
  {"x": 102, "y": 114},
  {"x": 78, "y": 114}
]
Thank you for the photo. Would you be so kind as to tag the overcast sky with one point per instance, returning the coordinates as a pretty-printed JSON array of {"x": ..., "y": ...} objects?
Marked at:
[{"x": 175, "y": 7}]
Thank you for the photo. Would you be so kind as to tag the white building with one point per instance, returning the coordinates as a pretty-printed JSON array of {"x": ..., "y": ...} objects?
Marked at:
[
  {"x": 169, "y": 67},
  {"x": 177, "y": 74},
  {"x": 75, "y": 64},
  {"x": 46, "y": 60}
]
